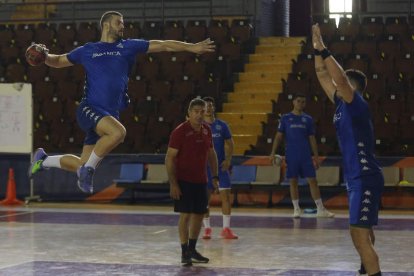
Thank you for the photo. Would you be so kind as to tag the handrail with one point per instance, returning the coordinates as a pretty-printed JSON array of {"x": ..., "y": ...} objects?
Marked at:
[{"x": 143, "y": 10}]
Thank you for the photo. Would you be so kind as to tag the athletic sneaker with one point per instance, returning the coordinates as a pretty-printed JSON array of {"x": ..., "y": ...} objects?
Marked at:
[
  {"x": 227, "y": 233},
  {"x": 85, "y": 179},
  {"x": 36, "y": 166},
  {"x": 296, "y": 213},
  {"x": 361, "y": 274},
  {"x": 197, "y": 257},
  {"x": 207, "y": 233},
  {"x": 324, "y": 214},
  {"x": 186, "y": 259}
]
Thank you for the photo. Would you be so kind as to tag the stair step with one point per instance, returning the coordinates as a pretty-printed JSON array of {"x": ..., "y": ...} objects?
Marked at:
[
  {"x": 253, "y": 96},
  {"x": 239, "y": 149},
  {"x": 242, "y": 118},
  {"x": 282, "y": 40},
  {"x": 254, "y": 129},
  {"x": 245, "y": 139},
  {"x": 280, "y": 58},
  {"x": 248, "y": 87},
  {"x": 261, "y": 76},
  {"x": 271, "y": 49},
  {"x": 268, "y": 67},
  {"x": 248, "y": 107}
]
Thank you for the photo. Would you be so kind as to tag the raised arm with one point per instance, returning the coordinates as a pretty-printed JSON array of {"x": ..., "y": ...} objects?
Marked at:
[
  {"x": 339, "y": 80},
  {"x": 179, "y": 46}
]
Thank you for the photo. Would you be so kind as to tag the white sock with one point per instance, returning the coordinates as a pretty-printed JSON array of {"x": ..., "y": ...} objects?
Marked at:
[
  {"x": 52, "y": 161},
  {"x": 206, "y": 222},
  {"x": 93, "y": 160},
  {"x": 226, "y": 221},
  {"x": 295, "y": 203},
  {"x": 319, "y": 204}
]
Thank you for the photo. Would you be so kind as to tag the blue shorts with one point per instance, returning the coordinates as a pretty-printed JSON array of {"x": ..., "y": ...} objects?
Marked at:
[
  {"x": 224, "y": 179},
  {"x": 364, "y": 198},
  {"x": 303, "y": 168},
  {"x": 88, "y": 117}
]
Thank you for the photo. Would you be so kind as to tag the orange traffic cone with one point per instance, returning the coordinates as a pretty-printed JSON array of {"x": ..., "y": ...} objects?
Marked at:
[{"x": 11, "y": 191}]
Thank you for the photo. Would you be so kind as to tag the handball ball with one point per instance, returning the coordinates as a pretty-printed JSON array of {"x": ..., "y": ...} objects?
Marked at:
[
  {"x": 35, "y": 55},
  {"x": 277, "y": 160}
]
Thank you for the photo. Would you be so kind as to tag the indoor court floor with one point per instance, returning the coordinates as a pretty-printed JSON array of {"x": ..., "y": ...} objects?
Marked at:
[{"x": 108, "y": 239}]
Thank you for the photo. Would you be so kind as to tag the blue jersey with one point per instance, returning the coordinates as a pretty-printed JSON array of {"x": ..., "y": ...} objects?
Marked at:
[
  {"x": 107, "y": 67},
  {"x": 220, "y": 132},
  {"x": 356, "y": 137},
  {"x": 297, "y": 129}
]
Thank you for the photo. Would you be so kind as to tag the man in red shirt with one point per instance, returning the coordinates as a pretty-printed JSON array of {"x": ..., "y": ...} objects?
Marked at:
[{"x": 189, "y": 150}]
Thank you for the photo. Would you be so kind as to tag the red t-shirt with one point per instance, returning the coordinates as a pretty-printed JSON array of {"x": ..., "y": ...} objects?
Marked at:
[{"x": 192, "y": 146}]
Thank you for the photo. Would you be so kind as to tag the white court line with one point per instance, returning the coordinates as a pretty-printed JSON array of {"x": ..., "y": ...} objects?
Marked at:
[
  {"x": 161, "y": 231},
  {"x": 18, "y": 214}
]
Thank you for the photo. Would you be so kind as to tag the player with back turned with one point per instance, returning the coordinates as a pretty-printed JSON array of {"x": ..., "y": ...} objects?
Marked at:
[{"x": 107, "y": 63}]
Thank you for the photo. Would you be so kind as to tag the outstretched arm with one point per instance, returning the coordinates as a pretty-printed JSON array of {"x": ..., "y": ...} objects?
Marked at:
[
  {"x": 179, "y": 46},
  {"x": 339, "y": 80},
  {"x": 58, "y": 61}
]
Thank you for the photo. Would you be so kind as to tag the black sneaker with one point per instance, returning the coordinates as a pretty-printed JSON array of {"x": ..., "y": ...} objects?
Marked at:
[
  {"x": 186, "y": 259},
  {"x": 198, "y": 258}
]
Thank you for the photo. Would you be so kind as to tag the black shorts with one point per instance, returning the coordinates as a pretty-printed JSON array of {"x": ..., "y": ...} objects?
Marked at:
[{"x": 194, "y": 198}]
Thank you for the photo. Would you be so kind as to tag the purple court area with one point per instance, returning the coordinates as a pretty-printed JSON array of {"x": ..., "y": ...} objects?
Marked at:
[
  {"x": 95, "y": 269},
  {"x": 172, "y": 219}
]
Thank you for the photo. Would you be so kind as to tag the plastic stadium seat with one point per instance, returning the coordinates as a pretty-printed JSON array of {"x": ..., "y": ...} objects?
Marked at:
[
  {"x": 349, "y": 27},
  {"x": 396, "y": 26},
  {"x": 242, "y": 174},
  {"x": 152, "y": 30},
  {"x": 218, "y": 31},
  {"x": 297, "y": 83},
  {"x": 70, "y": 111},
  {"x": 16, "y": 72},
  {"x": 241, "y": 29},
  {"x": 341, "y": 46},
  {"x": 327, "y": 26},
  {"x": 267, "y": 175},
  {"x": 24, "y": 35},
  {"x": 382, "y": 66},
  {"x": 389, "y": 45},
  {"x": 405, "y": 64},
  {"x": 66, "y": 34},
  {"x": 195, "y": 69},
  {"x": 375, "y": 85},
  {"x": 137, "y": 90},
  {"x": 67, "y": 90},
  {"x": 172, "y": 69},
  {"x": 173, "y": 30},
  {"x": 366, "y": 47},
  {"x": 230, "y": 50},
  {"x": 170, "y": 111},
  {"x": 77, "y": 73},
  {"x": 327, "y": 176},
  {"x": 87, "y": 32},
  {"x": 130, "y": 173},
  {"x": 54, "y": 110},
  {"x": 209, "y": 87},
  {"x": 59, "y": 74},
  {"x": 149, "y": 69},
  {"x": 132, "y": 30},
  {"x": 6, "y": 34},
  {"x": 10, "y": 54},
  {"x": 159, "y": 90},
  {"x": 196, "y": 30},
  {"x": 357, "y": 62},
  {"x": 182, "y": 90},
  {"x": 45, "y": 33},
  {"x": 407, "y": 43},
  {"x": 391, "y": 176},
  {"x": 43, "y": 90},
  {"x": 156, "y": 174},
  {"x": 305, "y": 63},
  {"x": 37, "y": 73},
  {"x": 372, "y": 26}
]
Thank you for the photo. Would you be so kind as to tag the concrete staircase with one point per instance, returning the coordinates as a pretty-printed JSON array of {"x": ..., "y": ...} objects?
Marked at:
[{"x": 258, "y": 85}]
